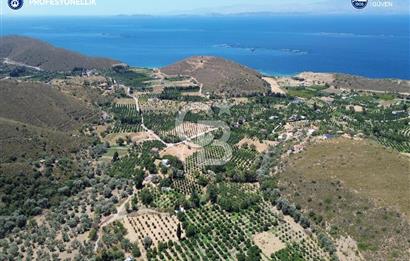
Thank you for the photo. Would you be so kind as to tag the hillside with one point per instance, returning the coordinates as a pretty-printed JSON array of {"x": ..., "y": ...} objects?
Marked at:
[
  {"x": 356, "y": 187},
  {"x": 41, "y": 105},
  {"x": 22, "y": 141},
  {"x": 219, "y": 76},
  {"x": 360, "y": 83},
  {"x": 37, "y": 122},
  {"x": 343, "y": 81},
  {"x": 35, "y": 53}
]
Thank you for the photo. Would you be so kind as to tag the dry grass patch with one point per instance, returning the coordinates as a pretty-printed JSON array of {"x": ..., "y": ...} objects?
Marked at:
[
  {"x": 354, "y": 188},
  {"x": 362, "y": 165}
]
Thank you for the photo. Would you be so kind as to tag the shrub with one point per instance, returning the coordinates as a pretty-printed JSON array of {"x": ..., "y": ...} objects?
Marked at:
[
  {"x": 190, "y": 230},
  {"x": 146, "y": 197},
  {"x": 147, "y": 242},
  {"x": 135, "y": 251}
]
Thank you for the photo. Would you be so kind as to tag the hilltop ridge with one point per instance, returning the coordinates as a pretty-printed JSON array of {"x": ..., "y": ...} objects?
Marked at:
[
  {"x": 39, "y": 54},
  {"x": 219, "y": 76}
]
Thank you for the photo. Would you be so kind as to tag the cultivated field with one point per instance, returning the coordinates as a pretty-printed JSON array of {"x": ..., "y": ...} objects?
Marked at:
[{"x": 160, "y": 227}]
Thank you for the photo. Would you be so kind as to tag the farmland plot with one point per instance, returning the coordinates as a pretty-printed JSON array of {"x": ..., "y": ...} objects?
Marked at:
[
  {"x": 188, "y": 130},
  {"x": 162, "y": 200},
  {"x": 155, "y": 105},
  {"x": 159, "y": 227},
  {"x": 221, "y": 235},
  {"x": 210, "y": 157},
  {"x": 127, "y": 118},
  {"x": 186, "y": 186}
]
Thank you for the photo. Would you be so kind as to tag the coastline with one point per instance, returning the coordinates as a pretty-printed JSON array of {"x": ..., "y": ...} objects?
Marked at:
[{"x": 274, "y": 46}]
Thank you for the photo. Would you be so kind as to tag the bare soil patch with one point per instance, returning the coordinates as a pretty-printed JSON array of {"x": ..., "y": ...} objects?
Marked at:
[
  {"x": 259, "y": 146},
  {"x": 318, "y": 78},
  {"x": 356, "y": 108},
  {"x": 307, "y": 79},
  {"x": 275, "y": 88},
  {"x": 347, "y": 249},
  {"x": 268, "y": 243},
  {"x": 181, "y": 151}
]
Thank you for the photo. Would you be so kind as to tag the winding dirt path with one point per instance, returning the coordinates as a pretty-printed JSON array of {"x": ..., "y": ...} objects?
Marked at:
[
  {"x": 121, "y": 213},
  {"x": 11, "y": 62},
  {"x": 151, "y": 132}
]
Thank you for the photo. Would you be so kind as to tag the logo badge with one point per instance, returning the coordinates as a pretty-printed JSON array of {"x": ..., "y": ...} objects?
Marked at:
[
  {"x": 15, "y": 4},
  {"x": 359, "y": 4}
]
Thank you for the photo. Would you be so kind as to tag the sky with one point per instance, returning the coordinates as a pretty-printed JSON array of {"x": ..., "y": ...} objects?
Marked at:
[{"x": 203, "y": 7}]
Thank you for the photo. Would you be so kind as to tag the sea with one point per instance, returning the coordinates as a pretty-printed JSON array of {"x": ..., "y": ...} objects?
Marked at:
[{"x": 371, "y": 46}]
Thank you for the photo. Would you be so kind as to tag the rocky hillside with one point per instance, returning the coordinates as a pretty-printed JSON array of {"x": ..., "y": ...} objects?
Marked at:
[
  {"x": 219, "y": 76},
  {"x": 32, "y": 52}
]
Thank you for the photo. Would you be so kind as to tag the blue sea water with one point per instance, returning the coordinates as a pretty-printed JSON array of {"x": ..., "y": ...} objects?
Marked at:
[{"x": 373, "y": 46}]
